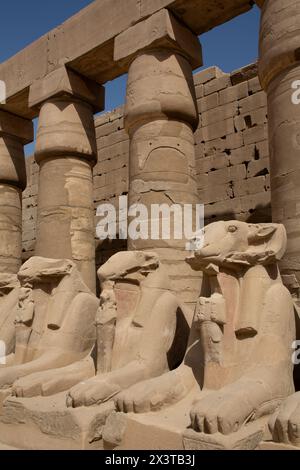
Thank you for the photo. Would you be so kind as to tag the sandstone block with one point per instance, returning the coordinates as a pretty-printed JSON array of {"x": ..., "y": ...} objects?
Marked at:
[
  {"x": 199, "y": 91},
  {"x": 263, "y": 148},
  {"x": 219, "y": 129},
  {"x": 220, "y": 192},
  {"x": 15, "y": 126},
  {"x": 217, "y": 84},
  {"x": 254, "y": 85},
  {"x": 258, "y": 167},
  {"x": 207, "y": 75},
  {"x": 244, "y": 73},
  {"x": 219, "y": 114},
  {"x": 234, "y": 93},
  {"x": 210, "y": 163},
  {"x": 243, "y": 154},
  {"x": 249, "y": 186},
  {"x": 109, "y": 127},
  {"x": 208, "y": 102},
  {"x": 162, "y": 30},
  {"x": 255, "y": 134},
  {"x": 66, "y": 82},
  {"x": 259, "y": 100}
]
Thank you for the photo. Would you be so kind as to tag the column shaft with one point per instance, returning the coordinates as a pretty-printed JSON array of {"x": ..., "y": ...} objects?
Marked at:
[
  {"x": 66, "y": 153},
  {"x": 279, "y": 69},
  {"x": 160, "y": 117}
]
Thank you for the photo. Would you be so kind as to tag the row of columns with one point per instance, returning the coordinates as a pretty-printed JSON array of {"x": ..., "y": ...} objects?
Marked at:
[{"x": 160, "y": 117}]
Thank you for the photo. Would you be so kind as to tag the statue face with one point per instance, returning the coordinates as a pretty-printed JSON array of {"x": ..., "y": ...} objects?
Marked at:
[
  {"x": 219, "y": 239},
  {"x": 38, "y": 269},
  {"x": 127, "y": 264},
  {"x": 237, "y": 243}
]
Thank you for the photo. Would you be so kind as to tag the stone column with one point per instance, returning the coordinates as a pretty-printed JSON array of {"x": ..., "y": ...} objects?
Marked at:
[
  {"x": 66, "y": 152},
  {"x": 279, "y": 69},
  {"x": 15, "y": 132},
  {"x": 160, "y": 117}
]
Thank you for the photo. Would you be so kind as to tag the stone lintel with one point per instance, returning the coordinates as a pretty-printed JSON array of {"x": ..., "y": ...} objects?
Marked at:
[
  {"x": 17, "y": 127},
  {"x": 161, "y": 30},
  {"x": 65, "y": 82}
]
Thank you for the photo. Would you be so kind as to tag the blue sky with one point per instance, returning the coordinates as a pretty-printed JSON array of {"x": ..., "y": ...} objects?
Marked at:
[{"x": 229, "y": 46}]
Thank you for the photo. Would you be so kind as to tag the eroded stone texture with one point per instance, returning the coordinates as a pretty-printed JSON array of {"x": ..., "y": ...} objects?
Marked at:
[
  {"x": 238, "y": 356},
  {"x": 66, "y": 154}
]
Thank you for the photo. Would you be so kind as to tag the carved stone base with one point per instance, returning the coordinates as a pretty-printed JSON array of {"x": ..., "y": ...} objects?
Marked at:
[
  {"x": 276, "y": 446},
  {"x": 167, "y": 430},
  {"x": 247, "y": 438},
  {"x": 46, "y": 423}
]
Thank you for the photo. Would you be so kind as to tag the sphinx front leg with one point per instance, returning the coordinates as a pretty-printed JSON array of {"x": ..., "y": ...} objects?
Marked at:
[
  {"x": 227, "y": 409},
  {"x": 53, "y": 381},
  {"x": 50, "y": 360},
  {"x": 103, "y": 387},
  {"x": 285, "y": 423},
  {"x": 157, "y": 393}
]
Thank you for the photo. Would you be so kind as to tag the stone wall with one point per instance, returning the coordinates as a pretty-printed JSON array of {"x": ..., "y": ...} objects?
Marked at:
[{"x": 231, "y": 156}]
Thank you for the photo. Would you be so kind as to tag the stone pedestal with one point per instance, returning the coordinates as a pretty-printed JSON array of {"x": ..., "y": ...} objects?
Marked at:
[
  {"x": 47, "y": 424},
  {"x": 66, "y": 153}
]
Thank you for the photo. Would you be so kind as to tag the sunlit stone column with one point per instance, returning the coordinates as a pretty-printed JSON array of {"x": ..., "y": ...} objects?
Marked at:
[
  {"x": 160, "y": 117},
  {"x": 15, "y": 132},
  {"x": 66, "y": 153},
  {"x": 279, "y": 71}
]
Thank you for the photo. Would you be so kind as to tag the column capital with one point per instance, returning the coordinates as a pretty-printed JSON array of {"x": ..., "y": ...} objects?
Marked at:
[
  {"x": 66, "y": 83},
  {"x": 16, "y": 127},
  {"x": 160, "y": 31},
  {"x": 279, "y": 39}
]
